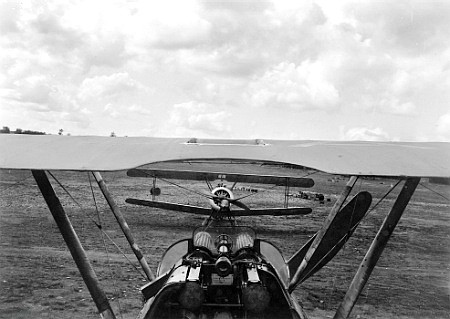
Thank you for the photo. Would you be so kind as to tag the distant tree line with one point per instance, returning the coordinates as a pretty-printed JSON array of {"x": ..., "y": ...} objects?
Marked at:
[{"x": 6, "y": 130}]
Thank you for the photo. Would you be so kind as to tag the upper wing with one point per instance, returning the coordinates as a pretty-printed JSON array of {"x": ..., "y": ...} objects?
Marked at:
[
  {"x": 88, "y": 153},
  {"x": 230, "y": 177}
]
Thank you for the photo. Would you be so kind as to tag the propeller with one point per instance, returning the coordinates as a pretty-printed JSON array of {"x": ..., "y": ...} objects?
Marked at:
[
  {"x": 235, "y": 201},
  {"x": 240, "y": 204},
  {"x": 222, "y": 197}
]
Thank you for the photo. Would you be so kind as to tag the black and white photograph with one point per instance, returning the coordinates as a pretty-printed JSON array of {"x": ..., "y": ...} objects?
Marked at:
[{"x": 225, "y": 159}]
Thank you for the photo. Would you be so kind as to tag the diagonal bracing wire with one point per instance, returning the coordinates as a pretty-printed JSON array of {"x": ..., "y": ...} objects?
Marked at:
[
  {"x": 345, "y": 237},
  {"x": 99, "y": 226},
  {"x": 211, "y": 196},
  {"x": 177, "y": 185},
  {"x": 433, "y": 191},
  {"x": 14, "y": 183},
  {"x": 105, "y": 246}
]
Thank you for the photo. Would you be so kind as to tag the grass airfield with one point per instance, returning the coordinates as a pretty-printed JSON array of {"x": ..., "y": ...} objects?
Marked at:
[{"x": 39, "y": 279}]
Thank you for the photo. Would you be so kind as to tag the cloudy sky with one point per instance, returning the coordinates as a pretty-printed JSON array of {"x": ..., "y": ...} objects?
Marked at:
[{"x": 371, "y": 70}]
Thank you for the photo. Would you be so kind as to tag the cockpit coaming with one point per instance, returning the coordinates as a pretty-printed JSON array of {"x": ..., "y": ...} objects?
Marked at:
[{"x": 222, "y": 272}]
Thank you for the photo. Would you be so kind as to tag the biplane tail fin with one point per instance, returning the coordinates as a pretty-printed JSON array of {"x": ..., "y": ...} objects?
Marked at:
[{"x": 336, "y": 236}]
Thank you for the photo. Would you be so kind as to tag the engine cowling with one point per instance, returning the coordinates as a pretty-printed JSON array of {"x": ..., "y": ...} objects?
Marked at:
[{"x": 219, "y": 203}]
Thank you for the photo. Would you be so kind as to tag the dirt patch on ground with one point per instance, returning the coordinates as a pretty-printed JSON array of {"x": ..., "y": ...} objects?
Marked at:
[{"x": 39, "y": 279}]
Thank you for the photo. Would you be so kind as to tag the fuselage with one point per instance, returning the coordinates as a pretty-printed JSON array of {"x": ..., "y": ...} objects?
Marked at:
[{"x": 221, "y": 272}]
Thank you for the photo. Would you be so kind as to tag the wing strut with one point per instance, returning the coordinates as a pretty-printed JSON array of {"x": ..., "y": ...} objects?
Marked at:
[
  {"x": 295, "y": 280},
  {"x": 286, "y": 194},
  {"x": 338, "y": 233},
  {"x": 123, "y": 225},
  {"x": 376, "y": 248},
  {"x": 73, "y": 243}
]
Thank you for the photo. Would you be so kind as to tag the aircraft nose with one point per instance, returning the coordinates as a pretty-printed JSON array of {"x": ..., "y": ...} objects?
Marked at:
[{"x": 224, "y": 203}]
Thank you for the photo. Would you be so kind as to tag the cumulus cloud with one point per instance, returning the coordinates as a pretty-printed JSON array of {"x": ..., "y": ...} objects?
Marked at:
[
  {"x": 369, "y": 82},
  {"x": 109, "y": 52},
  {"x": 365, "y": 134},
  {"x": 168, "y": 25},
  {"x": 115, "y": 96},
  {"x": 344, "y": 59},
  {"x": 9, "y": 15},
  {"x": 50, "y": 33},
  {"x": 394, "y": 106},
  {"x": 297, "y": 87},
  {"x": 245, "y": 38},
  {"x": 40, "y": 93},
  {"x": 443, "y": 127},
  {"x": 35, "y": 90},
  {"x": 193, "y": 118},
  {"x": 405, "y": 27},
  {"x": 40, "y": 101},
  {"x": 108, "y": 86}
]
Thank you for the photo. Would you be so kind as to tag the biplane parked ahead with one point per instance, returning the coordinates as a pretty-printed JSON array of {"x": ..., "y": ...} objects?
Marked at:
[{"x": 224, "y": 270}]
